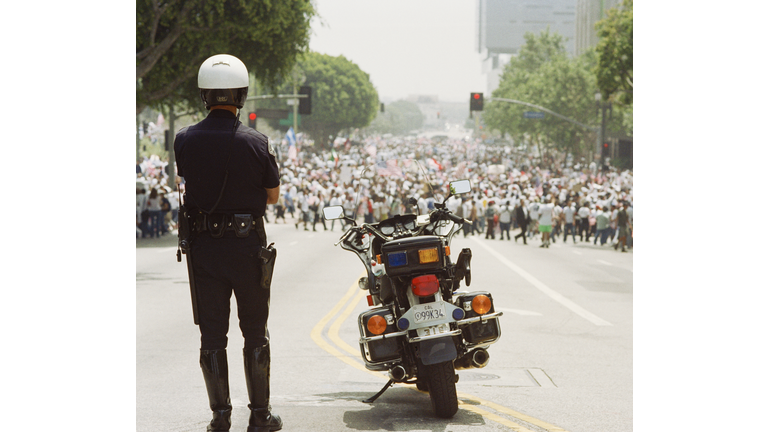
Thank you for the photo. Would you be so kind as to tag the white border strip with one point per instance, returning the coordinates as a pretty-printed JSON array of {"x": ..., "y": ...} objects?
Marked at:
[{"x": 554, "y": 295}]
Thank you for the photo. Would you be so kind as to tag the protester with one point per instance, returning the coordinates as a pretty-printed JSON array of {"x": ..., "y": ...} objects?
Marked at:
[
  {"x": 545, "y": 221},
  {"x": 407, "y": 169},
  {"x": 602, "y": 222},
  {"x": 522, "y": 216},
  {"x": 505, "y": 219}
]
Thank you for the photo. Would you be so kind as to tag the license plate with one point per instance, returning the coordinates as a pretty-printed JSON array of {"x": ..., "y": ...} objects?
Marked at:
[
  {"x": 434, "y": 330},
  {"x": 428, "y": 312}
]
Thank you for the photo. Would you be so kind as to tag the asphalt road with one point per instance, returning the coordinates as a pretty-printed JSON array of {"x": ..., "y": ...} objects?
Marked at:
[{"x": 563, "y": 363}]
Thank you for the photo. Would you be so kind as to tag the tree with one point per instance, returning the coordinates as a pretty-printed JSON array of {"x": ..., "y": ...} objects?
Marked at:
[
  {"x": 399, "y": 118},
  {"x": 544, "y": 75},
  {"x": 174, "y": 37},
  {"x": 342, "y": 96},
  {"x": 614, "y": 52}
]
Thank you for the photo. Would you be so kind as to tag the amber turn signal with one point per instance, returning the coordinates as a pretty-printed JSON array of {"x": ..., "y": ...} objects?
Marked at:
[
  {"x": 481, "y": 304},
  {"x": 377, "y": 324}
]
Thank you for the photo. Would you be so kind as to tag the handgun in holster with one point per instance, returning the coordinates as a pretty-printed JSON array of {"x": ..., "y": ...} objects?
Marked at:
[
  {"x": 186, "y": 226},
  {"x": 267, "y": 255}
]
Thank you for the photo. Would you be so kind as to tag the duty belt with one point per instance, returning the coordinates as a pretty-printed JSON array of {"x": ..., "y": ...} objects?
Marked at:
[{"x": 217, "y": 223}]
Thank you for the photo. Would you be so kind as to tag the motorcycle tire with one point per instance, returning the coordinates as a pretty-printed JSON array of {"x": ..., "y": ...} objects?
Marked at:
[{"x": 441, "y": 381}]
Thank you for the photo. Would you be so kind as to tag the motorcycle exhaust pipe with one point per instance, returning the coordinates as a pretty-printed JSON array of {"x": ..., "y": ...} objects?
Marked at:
[
  {"x": 477, "y": 358},
  {"x": 397, "y": 373}
]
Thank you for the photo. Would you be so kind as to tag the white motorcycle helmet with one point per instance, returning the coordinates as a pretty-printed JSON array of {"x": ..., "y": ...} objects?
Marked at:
[{"x": 223, "y": 80}]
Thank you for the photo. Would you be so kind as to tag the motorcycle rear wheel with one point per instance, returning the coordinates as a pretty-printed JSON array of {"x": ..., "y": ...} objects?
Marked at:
[{"x": 441, "y": 381}]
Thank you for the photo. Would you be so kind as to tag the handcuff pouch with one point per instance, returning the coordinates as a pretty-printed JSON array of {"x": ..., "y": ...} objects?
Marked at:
[
  {"x": 217, "y": 223},
  {"x": 242, "y": 223}
]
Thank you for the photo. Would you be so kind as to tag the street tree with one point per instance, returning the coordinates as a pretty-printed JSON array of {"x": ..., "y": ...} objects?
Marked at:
[
  {"x": 543, "y": 74},
  {"x": 343, "y": 96},
  {"x": 174, "y": 37},
  {"x": 614, "y": 52}
]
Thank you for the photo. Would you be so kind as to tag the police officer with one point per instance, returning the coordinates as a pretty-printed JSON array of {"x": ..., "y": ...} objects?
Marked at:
[{"x": 231, "y": 175}]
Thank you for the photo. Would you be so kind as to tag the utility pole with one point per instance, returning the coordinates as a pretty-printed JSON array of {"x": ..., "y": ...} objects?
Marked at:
[
  {"x": 295, "y": 103},
  {"x": 602, "y": 107},
  {"x": 169, "y": 145}
]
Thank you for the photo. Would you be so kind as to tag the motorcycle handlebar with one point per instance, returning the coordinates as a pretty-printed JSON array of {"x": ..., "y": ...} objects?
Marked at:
[
  {"x": 457, "y": 219},
  {"x": 344, "y": 236},
  {"x": 445, "y": 213}
]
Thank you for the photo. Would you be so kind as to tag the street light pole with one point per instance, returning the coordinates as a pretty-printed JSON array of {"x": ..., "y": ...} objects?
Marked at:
[
  {"x": 602, "y": 107},
  {"x": 295, "y": 104}
]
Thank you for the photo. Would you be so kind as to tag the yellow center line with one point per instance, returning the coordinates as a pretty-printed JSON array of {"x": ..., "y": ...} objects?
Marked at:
[
  {"x": 498, "y": 419},
  {"x": 333, "y": 330},
  {"x": 333, "y": 335}
]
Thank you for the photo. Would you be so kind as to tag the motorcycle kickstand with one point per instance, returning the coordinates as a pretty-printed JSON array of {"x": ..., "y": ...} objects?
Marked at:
[{"x": 381, "y": 392}]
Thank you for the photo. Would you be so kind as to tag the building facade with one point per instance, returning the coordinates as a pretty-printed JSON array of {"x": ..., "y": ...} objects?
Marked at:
[{"x": 502, "y": 25}]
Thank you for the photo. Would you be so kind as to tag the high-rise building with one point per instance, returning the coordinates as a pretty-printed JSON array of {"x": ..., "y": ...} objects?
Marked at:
[
  {"x": 502, "y": 25},
  {"x": 588, "y": 13}
]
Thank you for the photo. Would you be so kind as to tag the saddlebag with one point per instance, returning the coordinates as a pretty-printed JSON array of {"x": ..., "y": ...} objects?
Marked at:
[
  {"x": 382, "y": 349},
  {"x": 484, "y": 331}
]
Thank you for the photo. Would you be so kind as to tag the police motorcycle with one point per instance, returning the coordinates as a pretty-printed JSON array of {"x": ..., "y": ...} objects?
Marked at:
[{"x": 420, "y": 328}]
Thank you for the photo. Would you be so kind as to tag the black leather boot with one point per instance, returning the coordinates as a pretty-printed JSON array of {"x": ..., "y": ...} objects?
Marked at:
[
  {"x": 215, "y": 372},
  {"x": 256, "y": 361}
]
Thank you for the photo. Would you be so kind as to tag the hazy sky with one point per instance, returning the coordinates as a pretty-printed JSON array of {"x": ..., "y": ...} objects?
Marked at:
[{"x": 407, "y": 47}]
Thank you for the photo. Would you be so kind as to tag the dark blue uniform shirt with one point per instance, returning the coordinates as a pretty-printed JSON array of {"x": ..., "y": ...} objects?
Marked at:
[{"x": 202, "y": 151}]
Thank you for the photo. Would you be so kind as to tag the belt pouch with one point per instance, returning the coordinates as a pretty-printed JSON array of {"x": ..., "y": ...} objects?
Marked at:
[
  {"x": 217, "y": 223},
  {"x": 242, "y": 224}
]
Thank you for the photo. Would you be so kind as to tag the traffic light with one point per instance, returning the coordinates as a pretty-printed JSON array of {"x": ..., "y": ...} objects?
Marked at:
[
  {"x": 382, "y": 107},
  {"x": 305, "y": 104},
  {"x": 605, "y": 152},
  {"x": 475, "y": 101},
  {"x": 252, "y": 120}
]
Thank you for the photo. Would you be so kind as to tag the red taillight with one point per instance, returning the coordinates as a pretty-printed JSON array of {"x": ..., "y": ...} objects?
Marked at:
[{"x": 423, "y": 286}]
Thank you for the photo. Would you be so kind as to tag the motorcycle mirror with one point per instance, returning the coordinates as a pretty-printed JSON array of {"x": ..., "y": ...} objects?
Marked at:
[
  {"x": 460, "y": 187},
  {"x": 333, "y": 212}
]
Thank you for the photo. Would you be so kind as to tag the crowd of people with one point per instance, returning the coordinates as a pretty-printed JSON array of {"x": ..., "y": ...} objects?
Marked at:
[
  {"x": 157, "y": 202},
  {"x": 375, "y": 178}
]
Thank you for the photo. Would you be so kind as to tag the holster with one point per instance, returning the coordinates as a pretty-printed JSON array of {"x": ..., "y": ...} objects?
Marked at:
[
  {"x": 186, "y": 227},
  {"x": 267, "y": 255}
]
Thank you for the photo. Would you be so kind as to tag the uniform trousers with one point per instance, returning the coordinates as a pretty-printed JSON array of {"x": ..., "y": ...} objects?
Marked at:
[{"x": 223, "y": 266}]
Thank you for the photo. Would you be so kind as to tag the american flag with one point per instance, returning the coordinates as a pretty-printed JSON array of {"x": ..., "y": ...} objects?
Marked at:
[
  {"x": 371, "y": 150},
  {"x": 434, "y": 164},
  {"x": 461, "y": 169},
  {"x": 291, "y": 138},
  {"x": 389, "y": 168}
]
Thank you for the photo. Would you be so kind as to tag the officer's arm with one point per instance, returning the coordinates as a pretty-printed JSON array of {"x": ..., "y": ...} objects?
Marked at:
[{"x": 272, "y": 195}]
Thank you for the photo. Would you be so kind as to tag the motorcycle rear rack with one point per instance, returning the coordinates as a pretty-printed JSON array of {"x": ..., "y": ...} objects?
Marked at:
[
  {"x": 479, "y": 318},
  {"x": 437, "y": 336},
  {"x": 364, "y": 340}
]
